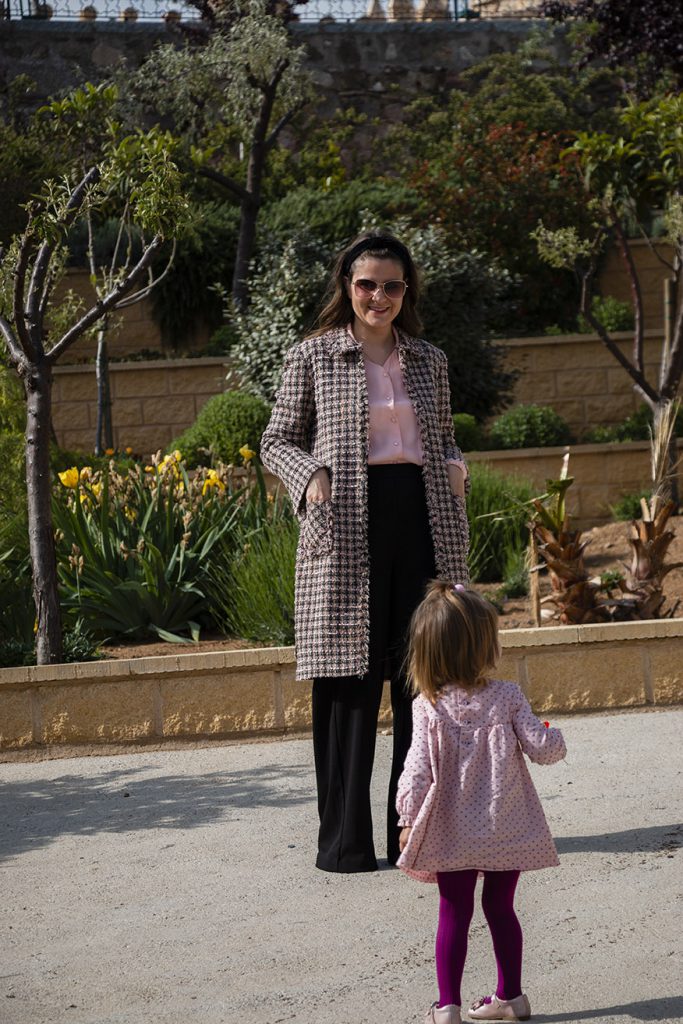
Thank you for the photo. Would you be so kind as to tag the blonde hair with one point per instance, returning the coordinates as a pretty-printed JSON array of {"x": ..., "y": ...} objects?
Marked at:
[{"x": 453, "y": 640}]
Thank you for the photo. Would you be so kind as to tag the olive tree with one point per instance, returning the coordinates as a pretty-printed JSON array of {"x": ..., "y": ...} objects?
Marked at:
[
  {"x": 228, "y": 92},
  {"x": 628, "y": 174},
  {"x": 37, "y": 330}
]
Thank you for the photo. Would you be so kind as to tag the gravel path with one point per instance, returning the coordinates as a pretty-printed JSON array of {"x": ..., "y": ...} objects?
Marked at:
[{"x": 178, "y": 887}]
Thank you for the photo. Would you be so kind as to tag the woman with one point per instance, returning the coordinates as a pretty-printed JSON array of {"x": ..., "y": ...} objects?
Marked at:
[{"x": 361, "y": 435}]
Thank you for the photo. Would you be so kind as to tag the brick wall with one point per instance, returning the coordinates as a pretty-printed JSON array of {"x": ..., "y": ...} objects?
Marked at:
[{"x": 152, "y": 402}]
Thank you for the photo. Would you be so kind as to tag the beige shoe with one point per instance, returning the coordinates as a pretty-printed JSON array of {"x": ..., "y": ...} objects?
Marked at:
[
  {"x": 443, "y": 1015},
  {"x": 493, "y": 1008}
]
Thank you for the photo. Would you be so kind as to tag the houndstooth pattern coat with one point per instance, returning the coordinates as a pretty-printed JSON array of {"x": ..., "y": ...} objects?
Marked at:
[{"x": 320, "y": 419}]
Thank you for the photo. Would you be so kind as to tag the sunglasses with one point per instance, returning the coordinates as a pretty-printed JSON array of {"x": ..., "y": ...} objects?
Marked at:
[{"x": 391, "y": 289}]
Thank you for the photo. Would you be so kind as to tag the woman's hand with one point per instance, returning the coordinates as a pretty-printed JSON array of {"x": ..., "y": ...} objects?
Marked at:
[
  {"x": 318, "y": 488},
  {"x": 404, "y": 837},
  {"x": 456, "y": 478}
]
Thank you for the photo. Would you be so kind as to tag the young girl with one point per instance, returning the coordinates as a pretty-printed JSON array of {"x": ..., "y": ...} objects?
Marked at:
[{"x": 465, "y": 799}]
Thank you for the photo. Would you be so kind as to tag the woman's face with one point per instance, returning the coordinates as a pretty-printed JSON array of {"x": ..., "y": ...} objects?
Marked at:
[{"x": 374, "y": 309}]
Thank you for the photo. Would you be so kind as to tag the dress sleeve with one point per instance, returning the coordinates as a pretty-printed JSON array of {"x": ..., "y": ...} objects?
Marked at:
[
  {"x": 286, "y": 441},
  {"x": 443, "y": 396},
  {"x": 541, "y": 745},
  {"x": 416, "y": 777}
]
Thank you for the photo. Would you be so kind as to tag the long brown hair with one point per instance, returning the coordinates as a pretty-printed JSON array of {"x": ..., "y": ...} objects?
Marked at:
[
  {"x": 337, "y": 310},
  {"x": 453, "y": 640}
]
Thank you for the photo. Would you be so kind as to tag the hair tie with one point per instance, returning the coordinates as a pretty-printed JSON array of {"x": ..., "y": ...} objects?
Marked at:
[{"x": 457, "y": 586}]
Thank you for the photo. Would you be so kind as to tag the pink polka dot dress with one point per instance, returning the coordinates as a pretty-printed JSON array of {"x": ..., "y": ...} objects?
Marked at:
[{"x": 465, "y": 788}]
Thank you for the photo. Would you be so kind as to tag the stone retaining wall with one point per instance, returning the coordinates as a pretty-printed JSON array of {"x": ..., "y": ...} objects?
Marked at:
[
  {"x": 579, "y": 377},
  {"x": 152, "y": 402},
  {"x": 243, "y": 694},
  {"x": 602, "y": 473}
]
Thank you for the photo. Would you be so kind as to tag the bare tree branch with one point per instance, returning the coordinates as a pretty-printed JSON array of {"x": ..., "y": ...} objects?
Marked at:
[
  {"x": 284, "y": 120},
  {"x": 16, "y": 353},
  {"x": 130, "y": 300},
  {"x": 675, "y": 368},
  {"x": 653, "y": 248},
  {"x": 636, "y": 375},
  {"x": 109, "y": 301},
  {"x": 222, "y": 179},
  {"x": 20, "y": 269},
  {"x": 636, "y": 293}
]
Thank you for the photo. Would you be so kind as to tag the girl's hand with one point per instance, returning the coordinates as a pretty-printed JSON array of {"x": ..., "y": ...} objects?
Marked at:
[
  {"x": 318, "y": 488},
  {"x": 456, "y": 478},
  {"x": 404, "y": 836}
]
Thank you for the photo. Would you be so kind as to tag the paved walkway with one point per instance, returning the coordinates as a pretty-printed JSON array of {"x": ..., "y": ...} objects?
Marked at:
[{"x": 178, "y": 887}]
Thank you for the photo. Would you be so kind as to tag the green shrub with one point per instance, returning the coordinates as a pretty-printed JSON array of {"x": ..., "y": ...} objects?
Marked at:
[
  {"x": 253, "y": 597},
  {"x": 516, "y": 574},
  {"x": 628, "y": 506},
  {"x": 224, "y": 425},
  {"x": 635, "y": 427},
  {"x": 335, "y": 216},
  {"x": 469, "y": 434},
  {"x": 497, "y": 511},
  {"x": 611, "y": 313},
  {"x": 529, "y": 426}
]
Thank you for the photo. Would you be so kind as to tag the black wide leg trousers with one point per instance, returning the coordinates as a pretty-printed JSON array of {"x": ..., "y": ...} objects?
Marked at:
[{"x": 346, "y": 709}]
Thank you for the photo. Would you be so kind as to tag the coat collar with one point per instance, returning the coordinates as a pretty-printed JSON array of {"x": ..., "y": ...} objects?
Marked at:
[{"x": 339, "y": 341}]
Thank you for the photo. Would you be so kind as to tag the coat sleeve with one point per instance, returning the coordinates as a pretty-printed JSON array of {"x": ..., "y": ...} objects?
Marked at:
[
  {"x": 541, "y": 745},
  {"x": 416, "y": 777},
  {"x": 443, "y": 396},
  {"x": 286, "y": 441}
]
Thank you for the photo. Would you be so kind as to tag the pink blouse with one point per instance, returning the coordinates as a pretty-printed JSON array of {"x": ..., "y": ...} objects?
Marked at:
[
  {"x": 394, "y": 433},
  {"x": 393, "y": 427}
]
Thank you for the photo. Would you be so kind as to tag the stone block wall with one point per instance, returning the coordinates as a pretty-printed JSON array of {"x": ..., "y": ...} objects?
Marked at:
[
  {"x": 60, "y": 710},
  {"x": 579, "y": 377},
  {"x": 602, "y": 473},
  {"x": 152, "y": 402}
]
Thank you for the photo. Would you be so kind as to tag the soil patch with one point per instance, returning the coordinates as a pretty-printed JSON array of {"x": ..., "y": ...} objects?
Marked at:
[{"x": 608, "y": 548}]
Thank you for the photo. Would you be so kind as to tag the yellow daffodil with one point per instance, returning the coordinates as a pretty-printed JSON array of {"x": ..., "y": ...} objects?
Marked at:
[
  {"x": 149, "y": 469},
  {"x": 130, "y": 513},
  {"x": 246, "y": 453},
  {"x": 96, "y": 488},
  {"x": 70, "y": 477},
  {"x": 85, "y": 472},
  {"x": 212, "y": 480}
]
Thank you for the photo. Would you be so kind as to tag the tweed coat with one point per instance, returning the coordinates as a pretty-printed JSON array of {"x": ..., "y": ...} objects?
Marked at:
[
  {"x": 320, "y": 419},
  {"x": 465, "y": 789}
]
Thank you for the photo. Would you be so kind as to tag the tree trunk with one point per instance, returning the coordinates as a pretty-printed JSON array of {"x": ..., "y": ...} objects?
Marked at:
[
  {"x": 245, "y": 246},
  {"x": 38, "y": 384},
  {"x": 105, "y": 435}
]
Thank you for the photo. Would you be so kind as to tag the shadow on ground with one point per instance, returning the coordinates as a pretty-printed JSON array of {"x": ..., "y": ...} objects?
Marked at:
[
  {"x": 660, "y": 838},
  {"x": 667, "y": 1009},
  {"x": 33, "y": 814}
]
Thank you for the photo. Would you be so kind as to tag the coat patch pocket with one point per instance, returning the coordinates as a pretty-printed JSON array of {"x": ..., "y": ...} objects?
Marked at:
[{"x": 315, "y": 536}]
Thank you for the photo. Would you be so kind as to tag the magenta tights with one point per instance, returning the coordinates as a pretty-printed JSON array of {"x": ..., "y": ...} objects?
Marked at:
[{"x": 456, "y": 906}]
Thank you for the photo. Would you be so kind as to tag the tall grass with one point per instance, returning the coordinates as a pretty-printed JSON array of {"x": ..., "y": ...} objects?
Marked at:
[
  {"x": 497, "y": 510},
  {"x": 252, "y": 595}
]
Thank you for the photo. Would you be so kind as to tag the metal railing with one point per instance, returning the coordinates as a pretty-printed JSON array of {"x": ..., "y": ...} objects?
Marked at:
[{"x": 314, "y": 11}]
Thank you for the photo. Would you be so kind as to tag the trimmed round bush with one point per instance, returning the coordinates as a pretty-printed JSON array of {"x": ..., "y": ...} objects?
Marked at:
[
  {"x": 469, "y": 435},
  {"x": 529, "y": 426},
  {"x": 224, "y": 425}
]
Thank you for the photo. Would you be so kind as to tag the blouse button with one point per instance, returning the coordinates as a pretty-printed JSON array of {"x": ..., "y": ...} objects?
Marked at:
[{"x": 395, "y": 444}]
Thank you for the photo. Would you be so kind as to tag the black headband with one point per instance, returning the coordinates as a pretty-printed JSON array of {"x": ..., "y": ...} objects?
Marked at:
[{"x": 376, "y": 242}]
